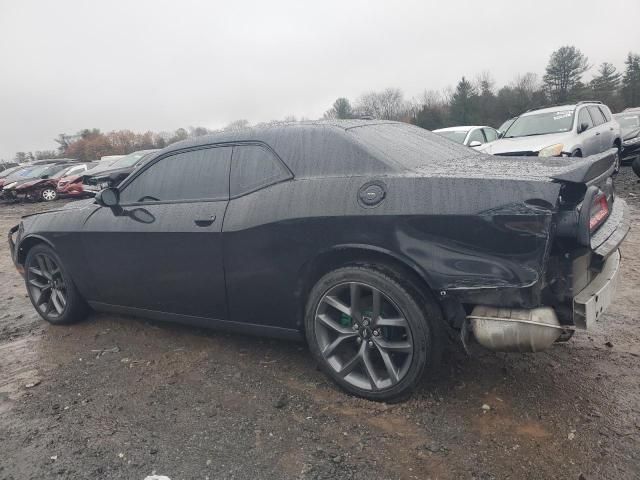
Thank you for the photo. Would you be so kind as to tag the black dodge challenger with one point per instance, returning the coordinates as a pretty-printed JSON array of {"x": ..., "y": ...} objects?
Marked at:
[{"x": 377, "y": 241}]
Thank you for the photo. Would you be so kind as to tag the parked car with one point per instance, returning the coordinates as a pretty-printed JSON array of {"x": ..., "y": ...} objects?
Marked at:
[
  {"x": 44, "y": 188},
  {"x": 629, "y": 121},
  {"x": 373, "y": 240},
  {"x": 29, "y": 183},
  {"x": 70, "y": 185},
  {"x": 109, "y": 159},
  {"x": 471, "y": 136},
  {"x": 118, "y": 171},
  {"x": 19, "y": 174},
  {"x": 577, "y": 130}
]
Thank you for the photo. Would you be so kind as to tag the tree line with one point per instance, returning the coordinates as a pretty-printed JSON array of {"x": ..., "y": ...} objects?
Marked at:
[
  {"x": 479, "y": 102},
  {"x": 472, "y": 102}
]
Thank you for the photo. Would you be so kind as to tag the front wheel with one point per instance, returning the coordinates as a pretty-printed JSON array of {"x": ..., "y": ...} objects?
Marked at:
[
  {"x": 372, "y": 335},
  {"x": 51, "y": 289},
  {"x": 49, "y": 194}
]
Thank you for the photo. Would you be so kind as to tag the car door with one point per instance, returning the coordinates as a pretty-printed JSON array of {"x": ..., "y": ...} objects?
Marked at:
[
  {"x": 161, "y": 248},
  {"x": 255, "y": 261},
  {"x": 589, "y": 140},
  {"x": 608, "y": 130},
  {"x": 601, "y": 129}
]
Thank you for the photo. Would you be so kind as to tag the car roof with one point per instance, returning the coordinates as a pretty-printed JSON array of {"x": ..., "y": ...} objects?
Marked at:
[
  {"x": 460, "y": 128},
  {"x": 557, "y": 108},
  {"x": 329, "y": 147}
]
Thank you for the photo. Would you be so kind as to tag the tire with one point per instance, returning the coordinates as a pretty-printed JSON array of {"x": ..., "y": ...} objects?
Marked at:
[
  {"x": 51, "y": 289},
  {"x": 576, "y": 153},
  {"x": 378, "y": 353},
  {"x": 49, "y": 194}
]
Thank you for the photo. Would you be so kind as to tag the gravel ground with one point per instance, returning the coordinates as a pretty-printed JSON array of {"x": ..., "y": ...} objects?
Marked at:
[{"x": 122, "y": 398}]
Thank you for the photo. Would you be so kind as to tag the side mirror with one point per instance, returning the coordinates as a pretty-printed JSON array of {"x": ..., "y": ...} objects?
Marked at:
[
  {"x": 475, "y": 143},
  {"x": 44, "y": 177},
  {"x": 109, "y": 197},
  {"x": 583, "y": 126}
]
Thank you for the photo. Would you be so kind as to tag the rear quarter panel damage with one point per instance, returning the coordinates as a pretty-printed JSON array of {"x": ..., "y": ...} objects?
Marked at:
[{"x": 463, "y": 236}]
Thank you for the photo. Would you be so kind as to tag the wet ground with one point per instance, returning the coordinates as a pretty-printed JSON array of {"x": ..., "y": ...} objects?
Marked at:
[{"x": 121, "y": 398}]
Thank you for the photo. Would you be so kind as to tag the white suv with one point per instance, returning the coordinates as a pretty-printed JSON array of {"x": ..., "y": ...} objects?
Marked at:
[{"x": 578, "y": 130}]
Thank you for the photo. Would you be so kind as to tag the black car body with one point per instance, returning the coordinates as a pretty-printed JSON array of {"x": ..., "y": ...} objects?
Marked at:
[
  {"x": 629, "y": 121},
  {"x": 117, "y": 172},
  {"x": 242, "y": 230}
]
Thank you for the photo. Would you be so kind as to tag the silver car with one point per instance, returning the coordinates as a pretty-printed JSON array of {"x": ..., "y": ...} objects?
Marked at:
[
  {"x": 577, "y": 130},
  {"x": 470, "y": 135}
]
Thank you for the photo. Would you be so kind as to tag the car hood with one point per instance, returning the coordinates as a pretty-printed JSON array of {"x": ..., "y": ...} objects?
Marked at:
[
  {"x": 533, "y": 143},
  {"x": 631, "y": 133}
]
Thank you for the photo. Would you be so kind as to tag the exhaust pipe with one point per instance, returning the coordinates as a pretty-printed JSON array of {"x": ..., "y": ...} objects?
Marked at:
[{"x": 515, "y": 330}]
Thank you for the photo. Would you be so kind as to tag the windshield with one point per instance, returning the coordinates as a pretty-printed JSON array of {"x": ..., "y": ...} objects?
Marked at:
[
  {"x": 505, "y": 126},
  {"x": 23, "y": 172},
  {"x": 541, "y": 124},
  {"x": 457, "y": 136},
  {"x": 628, "y": 121}
]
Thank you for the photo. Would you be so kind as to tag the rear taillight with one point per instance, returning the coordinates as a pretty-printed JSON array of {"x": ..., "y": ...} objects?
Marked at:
[{"x": 599, "y": 212}]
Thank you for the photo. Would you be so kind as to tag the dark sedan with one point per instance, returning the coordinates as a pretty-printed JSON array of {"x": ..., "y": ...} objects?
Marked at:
[{"x": 373, "y": 240}]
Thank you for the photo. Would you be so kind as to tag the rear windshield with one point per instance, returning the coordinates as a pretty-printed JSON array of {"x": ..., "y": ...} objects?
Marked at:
[
  {"x": 541, "y": 124},
  {"x": 408, "y": 146}
]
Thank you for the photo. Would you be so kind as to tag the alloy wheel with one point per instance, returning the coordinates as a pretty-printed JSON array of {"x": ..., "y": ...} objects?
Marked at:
[
  {"x": 363, "y": 336},
  {"x": 49, "y": 194},
  {"x": 47, "y": 286}
]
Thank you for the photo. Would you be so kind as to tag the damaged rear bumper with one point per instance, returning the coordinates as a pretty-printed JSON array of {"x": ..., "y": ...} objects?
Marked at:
[{"x": 594, "y": 299}]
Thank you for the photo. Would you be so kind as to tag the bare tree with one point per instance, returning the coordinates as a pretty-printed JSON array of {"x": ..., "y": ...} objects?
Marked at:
[
  {"x": 388, "y": 104},
  {"x": 237, "y": 125}
]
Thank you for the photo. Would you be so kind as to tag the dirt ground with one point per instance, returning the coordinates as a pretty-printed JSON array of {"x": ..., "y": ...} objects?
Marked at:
[{"x": 122, "y": 398}]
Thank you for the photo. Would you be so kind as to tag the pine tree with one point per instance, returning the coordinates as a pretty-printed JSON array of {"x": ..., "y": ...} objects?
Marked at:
[
  {"x": 464, "y": 104},
  {"x": 564, "y": 73},
  {"x": 604, "y": 86},
  {"x": 631, "y": 81}
]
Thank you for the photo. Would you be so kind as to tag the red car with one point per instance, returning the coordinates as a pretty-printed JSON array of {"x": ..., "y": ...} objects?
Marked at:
[
  {"x": 46, "y": 188},
  {"x": 70, "y": 186}
]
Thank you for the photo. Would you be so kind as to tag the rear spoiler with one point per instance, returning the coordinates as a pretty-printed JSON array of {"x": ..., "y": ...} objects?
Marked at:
[{"x": 590, "y": 170}]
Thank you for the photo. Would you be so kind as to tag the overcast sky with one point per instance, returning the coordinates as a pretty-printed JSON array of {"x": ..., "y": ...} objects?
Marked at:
[{"x": 159, "y": 65}]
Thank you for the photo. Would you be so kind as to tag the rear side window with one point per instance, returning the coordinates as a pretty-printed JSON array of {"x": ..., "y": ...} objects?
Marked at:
[
  {"x": 254, "y": 167},
  {"x": 597, "y": 116},
  {"x": 606, "y": 112},
  {"x": 476, "y": 136},
  {"x": 584, "y": 117},
  {"x": 196, "y": 175},
  {"x": 491, "y": 134}
]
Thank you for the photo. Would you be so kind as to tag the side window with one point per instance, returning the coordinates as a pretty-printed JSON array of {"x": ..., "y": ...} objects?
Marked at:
[
  {"x": 195, "y": 175},
  {"x": 491, "y": 134},
  {"x": 597, "y": 116},
  {"x": 606, "y": 112},
  {"x": 254, "y": 167},
  {"x": 584, "y": 117},
  {"x": 476, "y": 136}
]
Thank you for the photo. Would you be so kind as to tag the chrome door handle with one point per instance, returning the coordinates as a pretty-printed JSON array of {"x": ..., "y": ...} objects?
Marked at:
[{"x": 205, "y": 222}]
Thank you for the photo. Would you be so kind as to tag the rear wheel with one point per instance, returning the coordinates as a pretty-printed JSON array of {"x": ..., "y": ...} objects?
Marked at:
[
  {"x": 51, "y": 289},
  {"x": 576, "y": 153},
  {"x": 372, "y": 335},
  {"x": 49, "y": 194}
]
